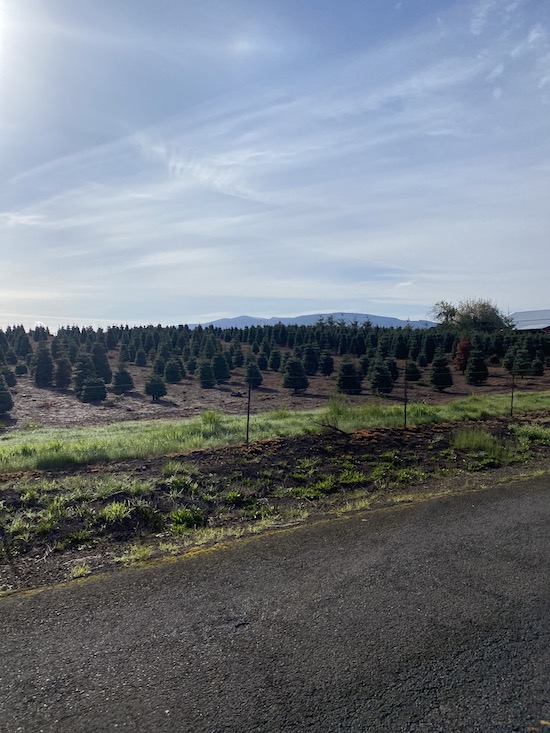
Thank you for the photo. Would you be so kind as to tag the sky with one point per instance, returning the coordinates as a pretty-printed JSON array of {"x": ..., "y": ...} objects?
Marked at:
[{"x": 177, "y": 162}]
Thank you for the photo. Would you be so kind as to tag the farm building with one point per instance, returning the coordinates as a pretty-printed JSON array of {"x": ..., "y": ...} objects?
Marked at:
[{"x": 532, "y": 320}]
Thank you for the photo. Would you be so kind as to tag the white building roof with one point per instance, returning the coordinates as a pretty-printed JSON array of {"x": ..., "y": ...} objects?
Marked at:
[{"x": 525, "y": 320}]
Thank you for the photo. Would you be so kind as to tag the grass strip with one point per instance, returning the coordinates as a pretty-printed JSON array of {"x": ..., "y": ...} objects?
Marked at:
[{"x": 52, "y": 449}]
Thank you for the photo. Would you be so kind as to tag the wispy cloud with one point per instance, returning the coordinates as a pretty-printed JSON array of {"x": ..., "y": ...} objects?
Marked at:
[{"x": 381, "y": 176}]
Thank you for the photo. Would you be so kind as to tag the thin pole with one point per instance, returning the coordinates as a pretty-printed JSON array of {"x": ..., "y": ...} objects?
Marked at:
[
  {"x": 406, "y": 397},
  {"x": 512, "y": 395},
  {"x": 248, "y": 414}
]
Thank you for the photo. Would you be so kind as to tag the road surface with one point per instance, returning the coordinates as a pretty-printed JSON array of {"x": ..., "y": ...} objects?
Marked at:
[{"x": 424, "y": 618}]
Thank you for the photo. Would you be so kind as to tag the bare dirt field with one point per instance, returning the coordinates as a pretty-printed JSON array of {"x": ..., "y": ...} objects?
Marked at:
[{"x": 54, "y": 408}]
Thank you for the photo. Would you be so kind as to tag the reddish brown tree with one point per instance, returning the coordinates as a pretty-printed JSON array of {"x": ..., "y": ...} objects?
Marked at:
[{"x": 462, "y": 355}]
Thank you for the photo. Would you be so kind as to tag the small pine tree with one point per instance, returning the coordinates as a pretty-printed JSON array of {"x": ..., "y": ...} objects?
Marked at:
[
  {"x": 122, "y": 380},
  {"x": 380, "y": 378},
  {"x": 253, "y": 374},
  {"x": 262, "y": 361},
  {"x": 155, "y": 387},
  {"x": 159, "y": 365},
  {"x": 275, "y": 360},
  {"x": 62, "y": 373},
  {"x": 238, "y": 356},
  {"x": 83, "y": 370},
  {"x": 6, "y": 400},
  {"x": 441, "y": 376},
  {"x": 537, "y": 368},
  {"x": 295, "y": 375},
  {"x": 326, "y": 364},
  {"x": 522, "y": 363},
  {"x": 221, "y": 369},
  {"x": 9, "y": 376},
  {"x": 311, "y": 360},
  {"x": 173, "y": 371},
  {"x": 43, "y": 366},
  {"x": 93, "y": 390},
  {"x": 412, "y": 372},
  {"x": 364, "y": 365},
  {"x": 141, "y": 358},
  {"x": 349, "y": 380},
  {"x": 392, "y": 366},
  {"x": 476, "y": 369},
  {"x": 101, "y": 362},
  {"x": 207, "y": 377}
]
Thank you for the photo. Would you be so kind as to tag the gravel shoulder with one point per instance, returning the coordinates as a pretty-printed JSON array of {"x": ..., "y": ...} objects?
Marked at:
[{"x": 426, "y": 617}]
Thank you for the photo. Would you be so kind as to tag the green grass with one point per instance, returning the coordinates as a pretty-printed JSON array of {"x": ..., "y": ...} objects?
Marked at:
[{"x": 49, "y": 449}]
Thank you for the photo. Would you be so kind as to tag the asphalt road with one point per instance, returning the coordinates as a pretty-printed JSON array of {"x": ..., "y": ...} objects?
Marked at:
[{"x": 433, "y": 617}]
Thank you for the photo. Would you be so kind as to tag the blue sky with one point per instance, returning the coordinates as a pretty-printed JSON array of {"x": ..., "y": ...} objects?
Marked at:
[{"x": 169, "y": 162}]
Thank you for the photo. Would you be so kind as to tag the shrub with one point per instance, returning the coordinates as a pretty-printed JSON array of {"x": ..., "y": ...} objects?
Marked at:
[{"x": 187, "y": 518}]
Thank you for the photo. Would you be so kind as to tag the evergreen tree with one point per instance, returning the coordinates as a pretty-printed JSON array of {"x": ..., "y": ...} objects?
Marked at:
[
  {"x": 509, "y": 359},
  {"x": 422, "y": 360},
  {"x": 9, "y": 376},
  {"x": 537, "y": 368},
  {"x": 173, "y": 372},
  {"x": 522, "y": 363},
  {"x": 62, "y": 373},
  {"x": 440, "y": 376},
  {"x": 159, "y": 365},
  {"x": 221, "y": 370},
  {"x": 392, "y": 366},
  {"x": 238, "y": 356},
  {"x": 476, "y": 369},
  {"x": 262, "y": 361},
  {"x": 83, "y": 370},
  {"x": 380, "y": 378},
  {"x": 364, "y": 365},
  {"x": 122, "y": 380},
  {"x": 295, "y": 375},
  {"x": 141, "y": 358},
  {"x": 23, "y": 346},
  {"x": 327, "y": 364},
  {"x": 43, "y": 366},
  {"x": 155, "y": 387},
  {"x": 101, "y": 362},
  {"x": 207, "y": 377},
  {"x": 311, "y": 360},
  {"x": 21, "y": 369},
  {"x": 412, "y": 372},
  {"x": 93, "y": 390},
  {"x": 10, "y": 357},
  {"x": 253, "y": 374},
  {"x": 6, "y": 400},
  {"x": 349, "y": 380},
  {"x": 275, "y": 360}
]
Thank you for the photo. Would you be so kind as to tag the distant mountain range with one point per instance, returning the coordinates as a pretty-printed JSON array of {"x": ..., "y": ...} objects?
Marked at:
[{"x": 310, "y": 320}]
